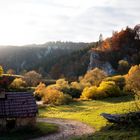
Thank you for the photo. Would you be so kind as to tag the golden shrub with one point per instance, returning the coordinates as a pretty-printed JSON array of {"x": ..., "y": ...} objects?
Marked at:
[{"x": 55, "y": 97}]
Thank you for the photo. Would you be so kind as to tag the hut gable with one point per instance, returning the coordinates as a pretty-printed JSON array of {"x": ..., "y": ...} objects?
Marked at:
[{"x": 18, "y": 105}]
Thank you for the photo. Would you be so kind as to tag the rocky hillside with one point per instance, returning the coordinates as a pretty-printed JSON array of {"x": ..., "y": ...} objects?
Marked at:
[{"x": 119, "y": 51}]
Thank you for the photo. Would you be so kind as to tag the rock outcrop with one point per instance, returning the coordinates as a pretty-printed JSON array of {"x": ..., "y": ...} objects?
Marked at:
[
  {"x": 96, "y": 62},
  {"x": 137, "y": 32},
  {"x": 129, "y": 118}
]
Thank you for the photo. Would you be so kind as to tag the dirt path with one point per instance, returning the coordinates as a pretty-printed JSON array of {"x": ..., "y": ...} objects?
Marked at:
[{"x": 67, "y": 129}]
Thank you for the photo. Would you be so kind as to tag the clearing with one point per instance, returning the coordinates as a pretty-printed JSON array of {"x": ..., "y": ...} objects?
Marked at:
[{"x": 89, "y": 112}]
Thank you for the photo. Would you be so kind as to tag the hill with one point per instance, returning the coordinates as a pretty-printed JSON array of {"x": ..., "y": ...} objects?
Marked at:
[
  {"x": 52, "y": 59},
  {"x": 117, "y": 53}
]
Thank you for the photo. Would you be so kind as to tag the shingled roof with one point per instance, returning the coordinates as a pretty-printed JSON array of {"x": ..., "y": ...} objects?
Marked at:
[{"x": 18, "y": 105}]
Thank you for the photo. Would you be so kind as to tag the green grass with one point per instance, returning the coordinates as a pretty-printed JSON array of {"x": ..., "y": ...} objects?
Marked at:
[
  {"x": 113, "y": 135},
  {"x": 89, "y": 112},
  {"x": 26, "y": 133}
]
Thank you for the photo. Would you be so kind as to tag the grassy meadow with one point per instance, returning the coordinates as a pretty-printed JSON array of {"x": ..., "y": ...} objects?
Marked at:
[{"x": 89, "y": 113}]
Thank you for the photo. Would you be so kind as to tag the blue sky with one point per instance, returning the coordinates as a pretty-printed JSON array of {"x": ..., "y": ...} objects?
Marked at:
[{"x": 38, "y": 21}]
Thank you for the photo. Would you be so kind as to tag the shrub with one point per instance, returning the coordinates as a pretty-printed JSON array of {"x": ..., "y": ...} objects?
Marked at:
[
  {"x": 39, "y": 91},
  {"x": 123, "y": 66},
  {"x": 132, "y": 79},
  {"x": 18, "y": 83},
  {"x": 110, "y": 89},
  {"x": 32, "y": 78},
  {"x": 62, "y": 83},
  {"x": 89, "y": 93},
  {"x": 106, "y": 89},
  {"x": 65, "y": 99},
  {"x": 76, "y": 85},
  {"x": 119, "y": 80},
  {"x": 133, "y": 84},
  {"x": 1, "y": 70},
  {"x": 55, "y": 97},
  {"x": 10, "y": 71},
  {"x": 93, "y": 77},
  {"x": 75, "y": 93}
]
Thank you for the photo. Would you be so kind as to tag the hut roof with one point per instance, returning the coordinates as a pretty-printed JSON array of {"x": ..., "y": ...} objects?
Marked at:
[{"x": 17, "y": 105}]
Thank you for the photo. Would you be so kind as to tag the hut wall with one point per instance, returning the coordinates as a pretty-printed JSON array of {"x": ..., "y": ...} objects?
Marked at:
[
  {"x": 2, "y": 122},
  {"x": 25, "y": 121}
]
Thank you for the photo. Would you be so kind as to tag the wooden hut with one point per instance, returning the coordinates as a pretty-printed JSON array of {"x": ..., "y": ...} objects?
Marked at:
[{"x": 17, "y": 109}]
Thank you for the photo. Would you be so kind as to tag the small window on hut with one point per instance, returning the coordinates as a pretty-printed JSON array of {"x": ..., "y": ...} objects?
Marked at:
[{"x": 10, "y": 123}]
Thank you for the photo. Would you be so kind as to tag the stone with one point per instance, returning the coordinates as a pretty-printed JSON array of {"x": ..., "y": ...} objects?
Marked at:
[
  {"x": 137, "y": 32},
  {"x": 103, "y": 65}
]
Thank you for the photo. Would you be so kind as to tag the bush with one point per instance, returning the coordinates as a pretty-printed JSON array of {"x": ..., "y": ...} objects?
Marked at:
[
  {"x": 133, "y": 84},
  {"x": 1, "y": 70},
  {"x": 18, "y": 83},
  {"x": 110, "y": 89},
  {"x": 65, "y": 99},
  {"x": 93, "y": 77},
  {"x": 123, "y": 66},
  {"x": 76, "y": 85},
  {"x": 39, "y": 91},
  {"x": 75, "y": 93},
  {"x": 119, "y": 80},
  {"x": 62, "y": 83},
  {"x": 56, "y": 97},
  {"x": 132, "y": 79},
  {"x": 89, "y": 93},
  {"x": 32, "y": 78},
  {"x": 106, "y": 89}
]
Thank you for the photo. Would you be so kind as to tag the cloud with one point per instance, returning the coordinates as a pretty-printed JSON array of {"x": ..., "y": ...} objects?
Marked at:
[{"x": 38, "y": 21}]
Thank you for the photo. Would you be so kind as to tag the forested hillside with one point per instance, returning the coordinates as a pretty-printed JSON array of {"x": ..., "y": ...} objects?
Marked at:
[
  {"x": 70, "y": 60},
  {"x": 53, "y": 59},
  {"x": 117, "y": 53}
]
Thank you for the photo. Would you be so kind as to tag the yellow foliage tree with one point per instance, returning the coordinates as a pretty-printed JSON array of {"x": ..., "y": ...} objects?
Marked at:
[
  {"x": 39, "y": 90},
  {"x": 93, "y": 77},
  {"x": 133, "y": 78},
  {"x": 133, "y": 83},
  {"x": 1, "y": 70},
  {"x": 62, "y": 83},
  {"x": 18, "y": 83},
  {"x": 89, "y": 93},
  {"x": 55, "y": 97}
]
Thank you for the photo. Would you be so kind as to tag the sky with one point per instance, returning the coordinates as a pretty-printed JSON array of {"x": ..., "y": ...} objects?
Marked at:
[{"x": 38, "y": 21}]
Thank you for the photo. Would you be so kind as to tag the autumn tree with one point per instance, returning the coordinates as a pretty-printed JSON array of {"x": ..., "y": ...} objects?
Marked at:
[
  {"x": 1, "y": 70},
  {"x": 62, "y": 83},
  {"x": 39, "y": 91},
  {"x": 93, "y": 77},
  {"x": 32, "y": 78},
  {"x": 105, "y": 89},
  {"x": 10, "y": 71},
  {"x": 123, "y": 66},
  {"x": 18, "y": 83},
  {"x": 56, "y": 97},
  {"x": 106, "y": 45},
  {"x": 133, "y": 78},
  {"x": 133, "y": 84},
  {"x": 89, "y": 93},
  {"x": 109, "y": 89}
]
